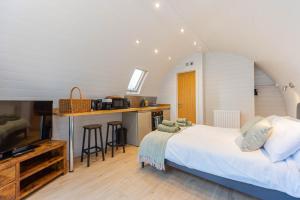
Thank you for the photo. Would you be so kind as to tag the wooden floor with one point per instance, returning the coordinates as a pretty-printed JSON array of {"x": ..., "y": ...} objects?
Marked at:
[{"x": 122, "y": 178}]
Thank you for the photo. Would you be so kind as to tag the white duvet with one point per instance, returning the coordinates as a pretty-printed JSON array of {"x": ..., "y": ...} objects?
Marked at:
[{"x": 213, "y": 150}]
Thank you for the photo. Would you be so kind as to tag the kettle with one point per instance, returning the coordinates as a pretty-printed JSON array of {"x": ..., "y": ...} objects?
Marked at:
[{"x": 144, "y": 103}]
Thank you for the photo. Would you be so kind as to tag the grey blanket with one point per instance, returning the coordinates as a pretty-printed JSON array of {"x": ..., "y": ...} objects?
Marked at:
[{"x": 153, "y": 147}]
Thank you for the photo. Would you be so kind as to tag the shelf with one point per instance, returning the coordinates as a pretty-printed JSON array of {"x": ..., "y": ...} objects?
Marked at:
[
  {"x": 27, "y": 173},
  {"x": 38, "y": 166},
  {"x": 38, "y": 183}
]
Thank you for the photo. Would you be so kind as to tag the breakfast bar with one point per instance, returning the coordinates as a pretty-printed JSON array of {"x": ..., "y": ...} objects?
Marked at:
[{"x": 71, "y": 117}]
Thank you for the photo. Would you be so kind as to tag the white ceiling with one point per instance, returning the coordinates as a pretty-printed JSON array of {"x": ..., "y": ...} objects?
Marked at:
[
  {"x": 91, "y": 40},
  {"x": 100, "y": 35},
  {"x": 266, "y": 31}
]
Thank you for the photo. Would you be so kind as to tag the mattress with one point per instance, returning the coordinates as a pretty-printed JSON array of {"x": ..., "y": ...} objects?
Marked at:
[{"x": 213, "y": 150}]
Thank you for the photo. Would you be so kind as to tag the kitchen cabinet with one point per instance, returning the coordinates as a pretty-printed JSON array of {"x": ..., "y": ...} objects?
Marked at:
[{"x": 138, "y": 125}]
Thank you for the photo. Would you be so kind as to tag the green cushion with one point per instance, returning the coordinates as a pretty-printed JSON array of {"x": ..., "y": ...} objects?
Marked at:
[
  {"x": 168, "y": 129},
  {"x": 255, "y": 137},
  {"x": 168, "y": 123},
  {"x": 250, "y": 123},
  {"x": 181, "y": 120}
]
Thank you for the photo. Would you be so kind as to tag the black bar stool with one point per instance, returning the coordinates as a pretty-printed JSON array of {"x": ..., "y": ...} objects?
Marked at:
[
  {"x": 87, "y": 150},
  {"x": 114, "y": 143}
]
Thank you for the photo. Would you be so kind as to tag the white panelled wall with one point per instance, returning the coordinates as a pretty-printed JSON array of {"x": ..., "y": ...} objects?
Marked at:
[
  {"x": 228, "y": 85},
  {"x": 269, "y": 100},
  {"x": 168, "y": 90},
  {"x": 225, "y": 82}
]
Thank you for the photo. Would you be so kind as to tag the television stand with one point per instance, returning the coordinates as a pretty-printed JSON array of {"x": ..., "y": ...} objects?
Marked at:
[
  {"x": 23, "y": 150},
  {"x": 23, "y": 175}
]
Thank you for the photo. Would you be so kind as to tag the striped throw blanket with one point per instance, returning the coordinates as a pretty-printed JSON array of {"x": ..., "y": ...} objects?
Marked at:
[{"x": 152, "y": 149}]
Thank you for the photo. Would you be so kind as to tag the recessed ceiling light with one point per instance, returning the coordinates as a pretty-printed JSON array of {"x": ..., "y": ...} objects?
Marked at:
[
  {"x": 195, "y": 43},
  {"x": 182, "y": 30},
  {"x": 169, "y": 58},
  {"x": 156, "y": 51},
  {"x": 137, "y": 41},
  {"x": 157, "y": 5}
]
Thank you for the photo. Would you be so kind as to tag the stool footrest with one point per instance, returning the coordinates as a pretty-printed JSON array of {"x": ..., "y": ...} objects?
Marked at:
[
  {"x": 97, "y": 149},
  {"x": 115, "y": 144}
]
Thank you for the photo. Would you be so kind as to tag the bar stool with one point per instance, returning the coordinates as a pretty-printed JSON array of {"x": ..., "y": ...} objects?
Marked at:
[
  {"x": 114, "y": 143},
  {"x": 87, "y": 150}
]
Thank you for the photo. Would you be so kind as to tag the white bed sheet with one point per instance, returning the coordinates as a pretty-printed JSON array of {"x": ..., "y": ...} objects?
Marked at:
[{"x": 213, "y": 150}]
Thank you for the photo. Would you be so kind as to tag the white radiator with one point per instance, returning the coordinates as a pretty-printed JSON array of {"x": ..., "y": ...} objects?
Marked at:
[{"x": 227, "y": 118}]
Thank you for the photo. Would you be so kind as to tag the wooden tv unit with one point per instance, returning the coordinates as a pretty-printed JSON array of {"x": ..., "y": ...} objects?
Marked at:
[{"x": 21, "y": 176}]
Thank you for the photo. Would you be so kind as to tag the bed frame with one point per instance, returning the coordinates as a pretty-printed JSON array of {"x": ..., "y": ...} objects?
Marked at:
[{"x": 252, "y": 190}]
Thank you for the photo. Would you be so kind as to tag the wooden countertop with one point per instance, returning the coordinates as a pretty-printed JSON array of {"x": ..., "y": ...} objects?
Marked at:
[{"x": 106, "y": 112}]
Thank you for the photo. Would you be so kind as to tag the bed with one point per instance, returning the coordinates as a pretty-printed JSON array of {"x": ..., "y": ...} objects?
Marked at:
[{"x": 210, "y": 153}]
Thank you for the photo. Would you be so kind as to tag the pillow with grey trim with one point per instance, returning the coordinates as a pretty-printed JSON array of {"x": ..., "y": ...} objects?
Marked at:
[
  {"x": 250, "y": 123},
  {"x": 255, "y": 137}
]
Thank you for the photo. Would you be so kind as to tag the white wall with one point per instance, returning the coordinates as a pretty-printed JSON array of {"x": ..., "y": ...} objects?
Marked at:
[
  {"x": 225, "y": 81},
  {"x": 168, "y": 91},
  {"x": 228, "y": 85},
  {"x": 291, "y": 98},
  {"x": 269, "y": 100}
]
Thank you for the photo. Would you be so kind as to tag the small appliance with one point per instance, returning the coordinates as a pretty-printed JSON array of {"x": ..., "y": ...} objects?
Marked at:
[
  {"x": 157, "y": 118},
  {"x": 106, "y": 104},
  {"x": 97, "y": 104},
  {"x": 119, "y": 102}
]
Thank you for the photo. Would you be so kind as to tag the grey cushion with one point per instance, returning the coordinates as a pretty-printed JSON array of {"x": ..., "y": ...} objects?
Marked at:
[
  {"x": 250, "y": 123},
  {"x": 255, "y": 137}
]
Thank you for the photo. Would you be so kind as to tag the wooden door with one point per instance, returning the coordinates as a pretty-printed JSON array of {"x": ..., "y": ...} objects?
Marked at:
[{"x": 186, "y": 83}]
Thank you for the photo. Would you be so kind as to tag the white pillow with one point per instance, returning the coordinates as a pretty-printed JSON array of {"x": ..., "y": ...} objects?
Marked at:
[
  {"x": 284, "y": 141},
  {"x": 291, "y": 118},
  {"x": 272, "y": 118}
]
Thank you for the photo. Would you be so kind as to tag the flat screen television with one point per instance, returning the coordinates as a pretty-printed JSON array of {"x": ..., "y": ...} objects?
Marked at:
[{"x": 23, "y": 124}]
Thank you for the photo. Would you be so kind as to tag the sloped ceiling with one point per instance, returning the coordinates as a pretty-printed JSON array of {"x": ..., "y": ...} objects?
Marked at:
[
  {"x": 62, "y": 43},
  {"x": 93, "y": 42},
  {"x": 266, "y": 31}
]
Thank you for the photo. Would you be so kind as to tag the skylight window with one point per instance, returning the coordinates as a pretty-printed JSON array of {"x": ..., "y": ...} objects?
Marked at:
[{"x": 136, "y": 81}]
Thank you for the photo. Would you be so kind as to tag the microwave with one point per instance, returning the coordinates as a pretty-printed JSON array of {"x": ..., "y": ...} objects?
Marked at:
[{"x": 119, "y": 103}]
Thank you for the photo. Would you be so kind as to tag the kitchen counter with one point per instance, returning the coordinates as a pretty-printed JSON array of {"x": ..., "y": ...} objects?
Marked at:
[
  {"x": 106, "y": 112},
  {"x": 140, "y": 111}
]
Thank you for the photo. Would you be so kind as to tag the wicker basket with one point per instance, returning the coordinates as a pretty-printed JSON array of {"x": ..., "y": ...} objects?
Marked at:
[{"x": 74, "y": 105}]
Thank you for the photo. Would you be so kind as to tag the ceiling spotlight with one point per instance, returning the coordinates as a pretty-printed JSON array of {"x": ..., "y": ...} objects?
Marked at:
[
  {"x": 292, "y": 85},
  {"x": 137, "y": 41},
  {"x": 156, "y": 51},
  {"x": 182, "y": 30},
  {"x": 169, "y": 58},
  {"x": 195, "y": 43},
  {"x": 157, "y": 5}
]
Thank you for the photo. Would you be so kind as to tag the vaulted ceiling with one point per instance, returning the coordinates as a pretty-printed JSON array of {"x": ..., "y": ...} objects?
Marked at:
[
  {"x": 267, "y": 31},
  {"x": 95, "y": 39}
]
